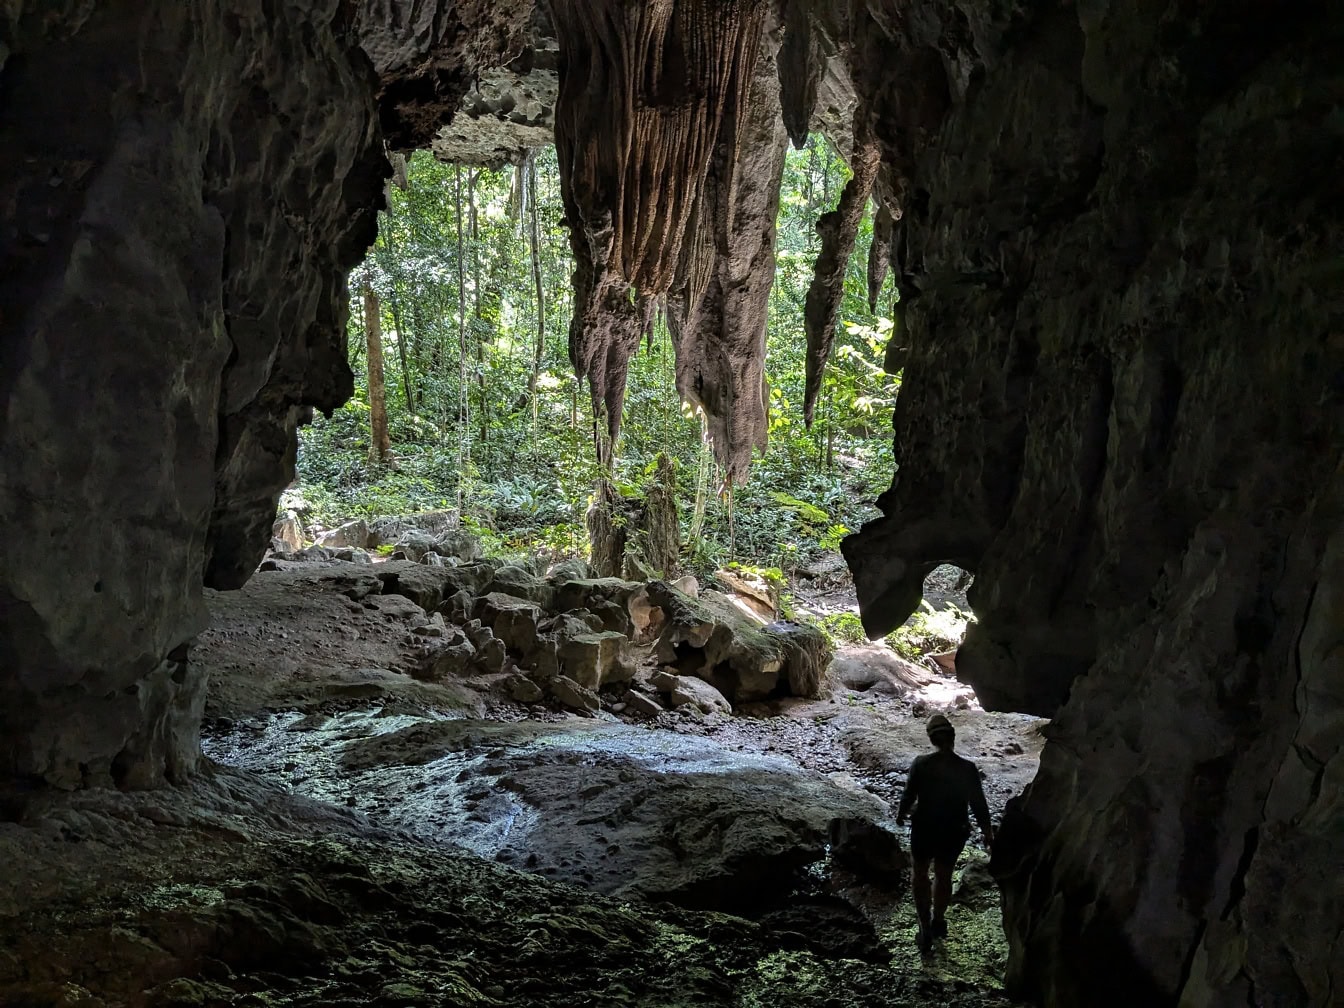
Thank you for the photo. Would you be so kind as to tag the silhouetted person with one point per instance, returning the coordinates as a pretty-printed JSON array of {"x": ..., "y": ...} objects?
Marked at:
[{"x": 941, "y": 787}]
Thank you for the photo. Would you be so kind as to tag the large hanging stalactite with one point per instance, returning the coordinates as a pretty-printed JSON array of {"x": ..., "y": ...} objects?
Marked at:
[
  {"x": 718, "y": 307},
  {"x": 659, "y": 77}
]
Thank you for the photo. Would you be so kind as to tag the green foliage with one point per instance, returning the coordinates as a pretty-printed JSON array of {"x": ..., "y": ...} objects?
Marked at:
[
  {"x": 930, "y": 631},
  {"x": 483, "y": 416},
  {"x": 844, "y": 628}
]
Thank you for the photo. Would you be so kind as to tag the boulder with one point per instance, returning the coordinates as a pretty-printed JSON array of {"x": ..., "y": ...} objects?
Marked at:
[
  {"x": 868, "y": 849},
  {"x": 514, "y": 620},
  {"x": 422, "y": 584},
  {"x": 385, "y": 531},
  {"x": 595, "y": 659},
  {"x": 573, "y": 696},
  {"x": 353, "y": 534},
  {"x": 569, "y": 570},
  {"x": 460, "y": 544},
  {"x": 287, "y": 533},
  {"x": 641, "y": 703},
  {"x": 699, "y": 694},
  {"x": 523, "y": 689},
  {"x": 313, "y": 554},
  {"x": 522, "y": 583},
  {"x": 414, "y": 544},
  {"x": 351, "y": 555},
  {"x": 646, "y": 618},
  {"x": 457, "y": 607},
  {"x": 491, "y": 655},
  {"x": 713, "y": 639},
  {"x": 750, "y": 592},
  {"x": 452, "y": 659}
]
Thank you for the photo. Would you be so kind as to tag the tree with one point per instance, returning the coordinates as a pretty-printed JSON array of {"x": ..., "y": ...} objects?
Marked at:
[{"x": 380, "y": 441}]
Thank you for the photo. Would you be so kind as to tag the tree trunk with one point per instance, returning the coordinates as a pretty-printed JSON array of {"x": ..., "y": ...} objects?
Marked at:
[
  {"x": 405, "y": 362},
  {"x": 534, "y": 243},
  {"x": 380, "y": 443}
]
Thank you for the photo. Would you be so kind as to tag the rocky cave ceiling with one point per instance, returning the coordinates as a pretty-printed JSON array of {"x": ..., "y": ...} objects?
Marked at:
[{"x": 1116, "y": 232}]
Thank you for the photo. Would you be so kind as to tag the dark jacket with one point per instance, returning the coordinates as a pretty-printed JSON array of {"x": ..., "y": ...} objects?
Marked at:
[{"x": 941, "y": 787}]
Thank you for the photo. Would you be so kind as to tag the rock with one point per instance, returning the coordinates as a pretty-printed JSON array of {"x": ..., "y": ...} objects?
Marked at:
[
  {"x": 640, "y": 703},
  {"x": 351, "y": 555},
  {"x": 313, "y": 554},
  {"x": 522, "y": 583},
  {"x": 868, "y": 666},
  {"x": 678, "y": 818},
  {"x": 491, "y": 655},
  {"x": 459, "y": 544},
  {"x": 569, "y": 570},
  {"x": 572, "y": 696},
  {"x": 477, "y": 632},
  {"x": 353, "y": 534},
  {"x": 699, "y": 694},
  {"x": 287, "y": 532},
  {"x": 607, "y": 598},
  {"x": 432, "y": 559},
  {"x": 594, "y": 659},
  {"x": 386, "y": 531},
  {"x": 869, "y": 850},
  {"x": 807, "y": 654},
  {"x": 687, "y": 585},
  {"x": 457, "y": 607},
  {"x": 646, "y": 618},
  {"x": 414, "y": 544},
  {"x": 664, "y": 680},
  {"x": 423, "y": 585},
  {"x": 751, "y": 592},
  {"x": 451, "y": 660},
  {"x": 513, "y": 620},
  {"x": 433, "y": 627},
  {"x": 523, "y": 689},
  {"x": 712, "y": 639}
]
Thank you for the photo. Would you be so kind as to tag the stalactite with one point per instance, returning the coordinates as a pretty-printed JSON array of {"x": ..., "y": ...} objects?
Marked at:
[
  {"x": 664, "y": 78},
  {"x": 838, "y": 229}
]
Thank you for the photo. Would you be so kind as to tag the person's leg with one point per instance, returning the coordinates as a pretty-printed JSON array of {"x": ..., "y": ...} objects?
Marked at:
[
  {"x": 942, "y": 894},
  {"x": 919, "y": 883}
]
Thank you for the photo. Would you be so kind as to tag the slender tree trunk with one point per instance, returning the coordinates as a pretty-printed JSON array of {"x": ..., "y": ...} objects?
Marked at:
[
  {"x": 534, "y": 243},
  {"x": 405, "y": 362},
  {"x": 463, "y": 400},
  {"x": 482, "y": 402},
  {"x": 380, "y": 444}
]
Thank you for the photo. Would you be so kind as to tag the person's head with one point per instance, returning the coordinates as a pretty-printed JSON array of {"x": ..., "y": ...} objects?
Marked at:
[{"x": 941, "y": 732}]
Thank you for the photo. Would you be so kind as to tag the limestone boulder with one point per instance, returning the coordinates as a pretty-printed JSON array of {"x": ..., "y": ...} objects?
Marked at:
[
  {"x": 573, "y": 696},
  {"x": 352, "y": 534},
  {"x": 287, "y": 533},
  {"x": 697, "y": 693},
  {"x": 386, "y": 531},
  {"x": 595, "y": 659},
  {"x": 713, "y": 639},
  {"x": 513, "y": 620}
]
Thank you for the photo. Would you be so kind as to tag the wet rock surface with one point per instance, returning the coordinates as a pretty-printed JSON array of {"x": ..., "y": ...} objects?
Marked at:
[{"x": 362, "y": 837}]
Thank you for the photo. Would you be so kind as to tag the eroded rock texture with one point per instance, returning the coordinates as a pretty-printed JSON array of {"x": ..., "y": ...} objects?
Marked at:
[
  {"x": 1122, "y": 406},
  {"x": 675, "y": 86},
  {"x": 182, "y": 191}
]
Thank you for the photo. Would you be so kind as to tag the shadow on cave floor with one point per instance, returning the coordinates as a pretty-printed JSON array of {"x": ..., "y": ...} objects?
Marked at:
[{"x": 367, "y": 836}]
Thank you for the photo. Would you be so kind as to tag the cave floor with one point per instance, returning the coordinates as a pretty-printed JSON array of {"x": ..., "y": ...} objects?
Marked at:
[{"x": 362, "y": 837}]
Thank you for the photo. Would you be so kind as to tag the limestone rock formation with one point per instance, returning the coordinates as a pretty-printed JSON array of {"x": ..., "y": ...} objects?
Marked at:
[{"x": 1121, "y": 409}]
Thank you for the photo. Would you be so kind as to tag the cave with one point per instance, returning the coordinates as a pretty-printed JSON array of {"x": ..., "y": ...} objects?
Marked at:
[{"x": 1117, "y": 248}]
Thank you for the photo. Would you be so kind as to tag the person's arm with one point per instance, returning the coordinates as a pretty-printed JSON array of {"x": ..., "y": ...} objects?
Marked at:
[
  {"x": 910, "y": 793},
  {"x": 980, "y": 807}
]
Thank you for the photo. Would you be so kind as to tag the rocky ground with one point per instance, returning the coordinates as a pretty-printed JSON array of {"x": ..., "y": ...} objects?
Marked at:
[{"x": 373, "y": 829}]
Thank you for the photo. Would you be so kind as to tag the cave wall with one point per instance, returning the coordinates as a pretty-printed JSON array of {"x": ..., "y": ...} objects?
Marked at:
[
  {"x": 183, "y": 188},
  {"x": 1122, "y": 409}
]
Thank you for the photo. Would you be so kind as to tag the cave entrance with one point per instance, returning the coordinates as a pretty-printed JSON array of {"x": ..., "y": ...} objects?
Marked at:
[{"x": 600, "y": 669}]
